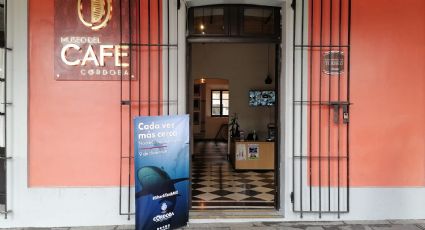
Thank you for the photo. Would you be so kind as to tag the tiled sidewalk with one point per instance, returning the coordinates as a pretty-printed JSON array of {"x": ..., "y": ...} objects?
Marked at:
[{"x": 339, "y": 225}]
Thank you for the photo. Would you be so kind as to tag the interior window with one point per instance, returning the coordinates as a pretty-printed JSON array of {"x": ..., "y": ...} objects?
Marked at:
[{"x": 219, "y": 103}]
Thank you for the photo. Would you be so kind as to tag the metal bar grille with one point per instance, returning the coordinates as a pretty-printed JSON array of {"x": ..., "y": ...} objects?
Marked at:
[
  {"x": 4, "y": 156},
  {"x": 148, "y": 30},
  {"x": 321, "y": 79}
]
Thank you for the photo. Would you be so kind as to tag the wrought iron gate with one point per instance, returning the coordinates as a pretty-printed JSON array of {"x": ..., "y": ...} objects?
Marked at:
[
  {"x": 149, "y": 28},
  {"x": 4, "y": 116},
  {"x": 321, "y": 104}
]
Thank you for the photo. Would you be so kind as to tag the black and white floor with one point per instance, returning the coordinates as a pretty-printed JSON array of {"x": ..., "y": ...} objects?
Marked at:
[{"x": 216, "y": 185}]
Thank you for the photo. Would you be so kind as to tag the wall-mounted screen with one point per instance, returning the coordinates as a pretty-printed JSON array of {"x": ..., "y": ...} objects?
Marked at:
[{"x": 262, "y": 98}]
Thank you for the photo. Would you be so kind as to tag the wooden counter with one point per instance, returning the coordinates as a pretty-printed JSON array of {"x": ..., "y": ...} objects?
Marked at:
[{"x": 253, "y": 155}]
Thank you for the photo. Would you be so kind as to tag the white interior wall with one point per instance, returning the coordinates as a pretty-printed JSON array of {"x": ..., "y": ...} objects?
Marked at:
[{"x": 246, "y": 67}]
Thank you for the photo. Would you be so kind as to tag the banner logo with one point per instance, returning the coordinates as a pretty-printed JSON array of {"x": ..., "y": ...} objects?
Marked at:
[
  {"x": 164, "y": 208},
  {"x": 100, "y": 13},
  {"x": 164, "y": 217}
]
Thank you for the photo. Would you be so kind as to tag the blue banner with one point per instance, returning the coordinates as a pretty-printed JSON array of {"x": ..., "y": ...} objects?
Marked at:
[{"x": 161, "y": 163}]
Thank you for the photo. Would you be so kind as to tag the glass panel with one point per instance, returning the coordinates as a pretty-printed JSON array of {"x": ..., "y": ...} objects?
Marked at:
[
  {"x": 208, "y": 20},
  {"x": 196, "y": 118},
  {"x": 225, "y": 103},
  {"x": 258, "y": 21},
  {"x": 216, "y": 103},
  {"x": 225, "y": 111},
  {"x": 196, "y": 90},
  {"x": 196, "y": 104},
  {"x": 215, "y": 111},
  {"x": 215, "y": 94},
  {"x": 225, "y": 95}
]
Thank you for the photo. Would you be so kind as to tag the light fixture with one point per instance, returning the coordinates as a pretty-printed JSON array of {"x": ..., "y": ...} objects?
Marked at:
[{"x": 268, "y": 79}]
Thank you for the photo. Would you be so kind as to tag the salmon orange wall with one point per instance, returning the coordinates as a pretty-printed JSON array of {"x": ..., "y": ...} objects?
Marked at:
[
  {"x": 74, "y": 126},
  {"x": 388, "y": 93}
]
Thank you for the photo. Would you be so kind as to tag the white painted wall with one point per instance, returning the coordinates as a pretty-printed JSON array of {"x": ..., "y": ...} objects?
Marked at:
[
  {"x": 2, "y": 88},
  {"x": 175, "y": 81}
]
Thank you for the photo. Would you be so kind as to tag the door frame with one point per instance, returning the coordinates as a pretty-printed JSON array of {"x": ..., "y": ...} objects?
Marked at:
[{"x": 278, "y": 108}]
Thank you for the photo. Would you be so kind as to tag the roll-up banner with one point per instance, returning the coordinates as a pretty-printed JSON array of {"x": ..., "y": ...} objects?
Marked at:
[{"x": 161, "y": 172}]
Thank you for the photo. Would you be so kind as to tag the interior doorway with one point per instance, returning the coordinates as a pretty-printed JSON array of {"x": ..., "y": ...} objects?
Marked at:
[
  {"x": 233, "y": 103},
  {"x": 210, "y": 111}
]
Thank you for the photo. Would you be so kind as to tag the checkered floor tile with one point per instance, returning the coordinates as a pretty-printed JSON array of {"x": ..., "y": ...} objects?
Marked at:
[{"x": 215, "y": 184}]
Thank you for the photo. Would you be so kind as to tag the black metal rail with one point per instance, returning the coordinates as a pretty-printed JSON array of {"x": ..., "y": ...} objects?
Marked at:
[
  {"x": 320, "y": 89},
  {"x": 4, "y": 158},
  {"x": 139, "y": 23}
]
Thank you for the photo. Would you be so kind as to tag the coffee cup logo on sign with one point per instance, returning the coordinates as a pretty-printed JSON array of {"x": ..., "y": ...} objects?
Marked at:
[
  {"x": 89, "y": 37},
  {"x": 100, "y": 13}
]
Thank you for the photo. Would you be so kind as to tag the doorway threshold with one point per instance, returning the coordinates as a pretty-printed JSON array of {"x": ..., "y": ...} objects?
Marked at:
[{"x": 234, "y": 215}]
